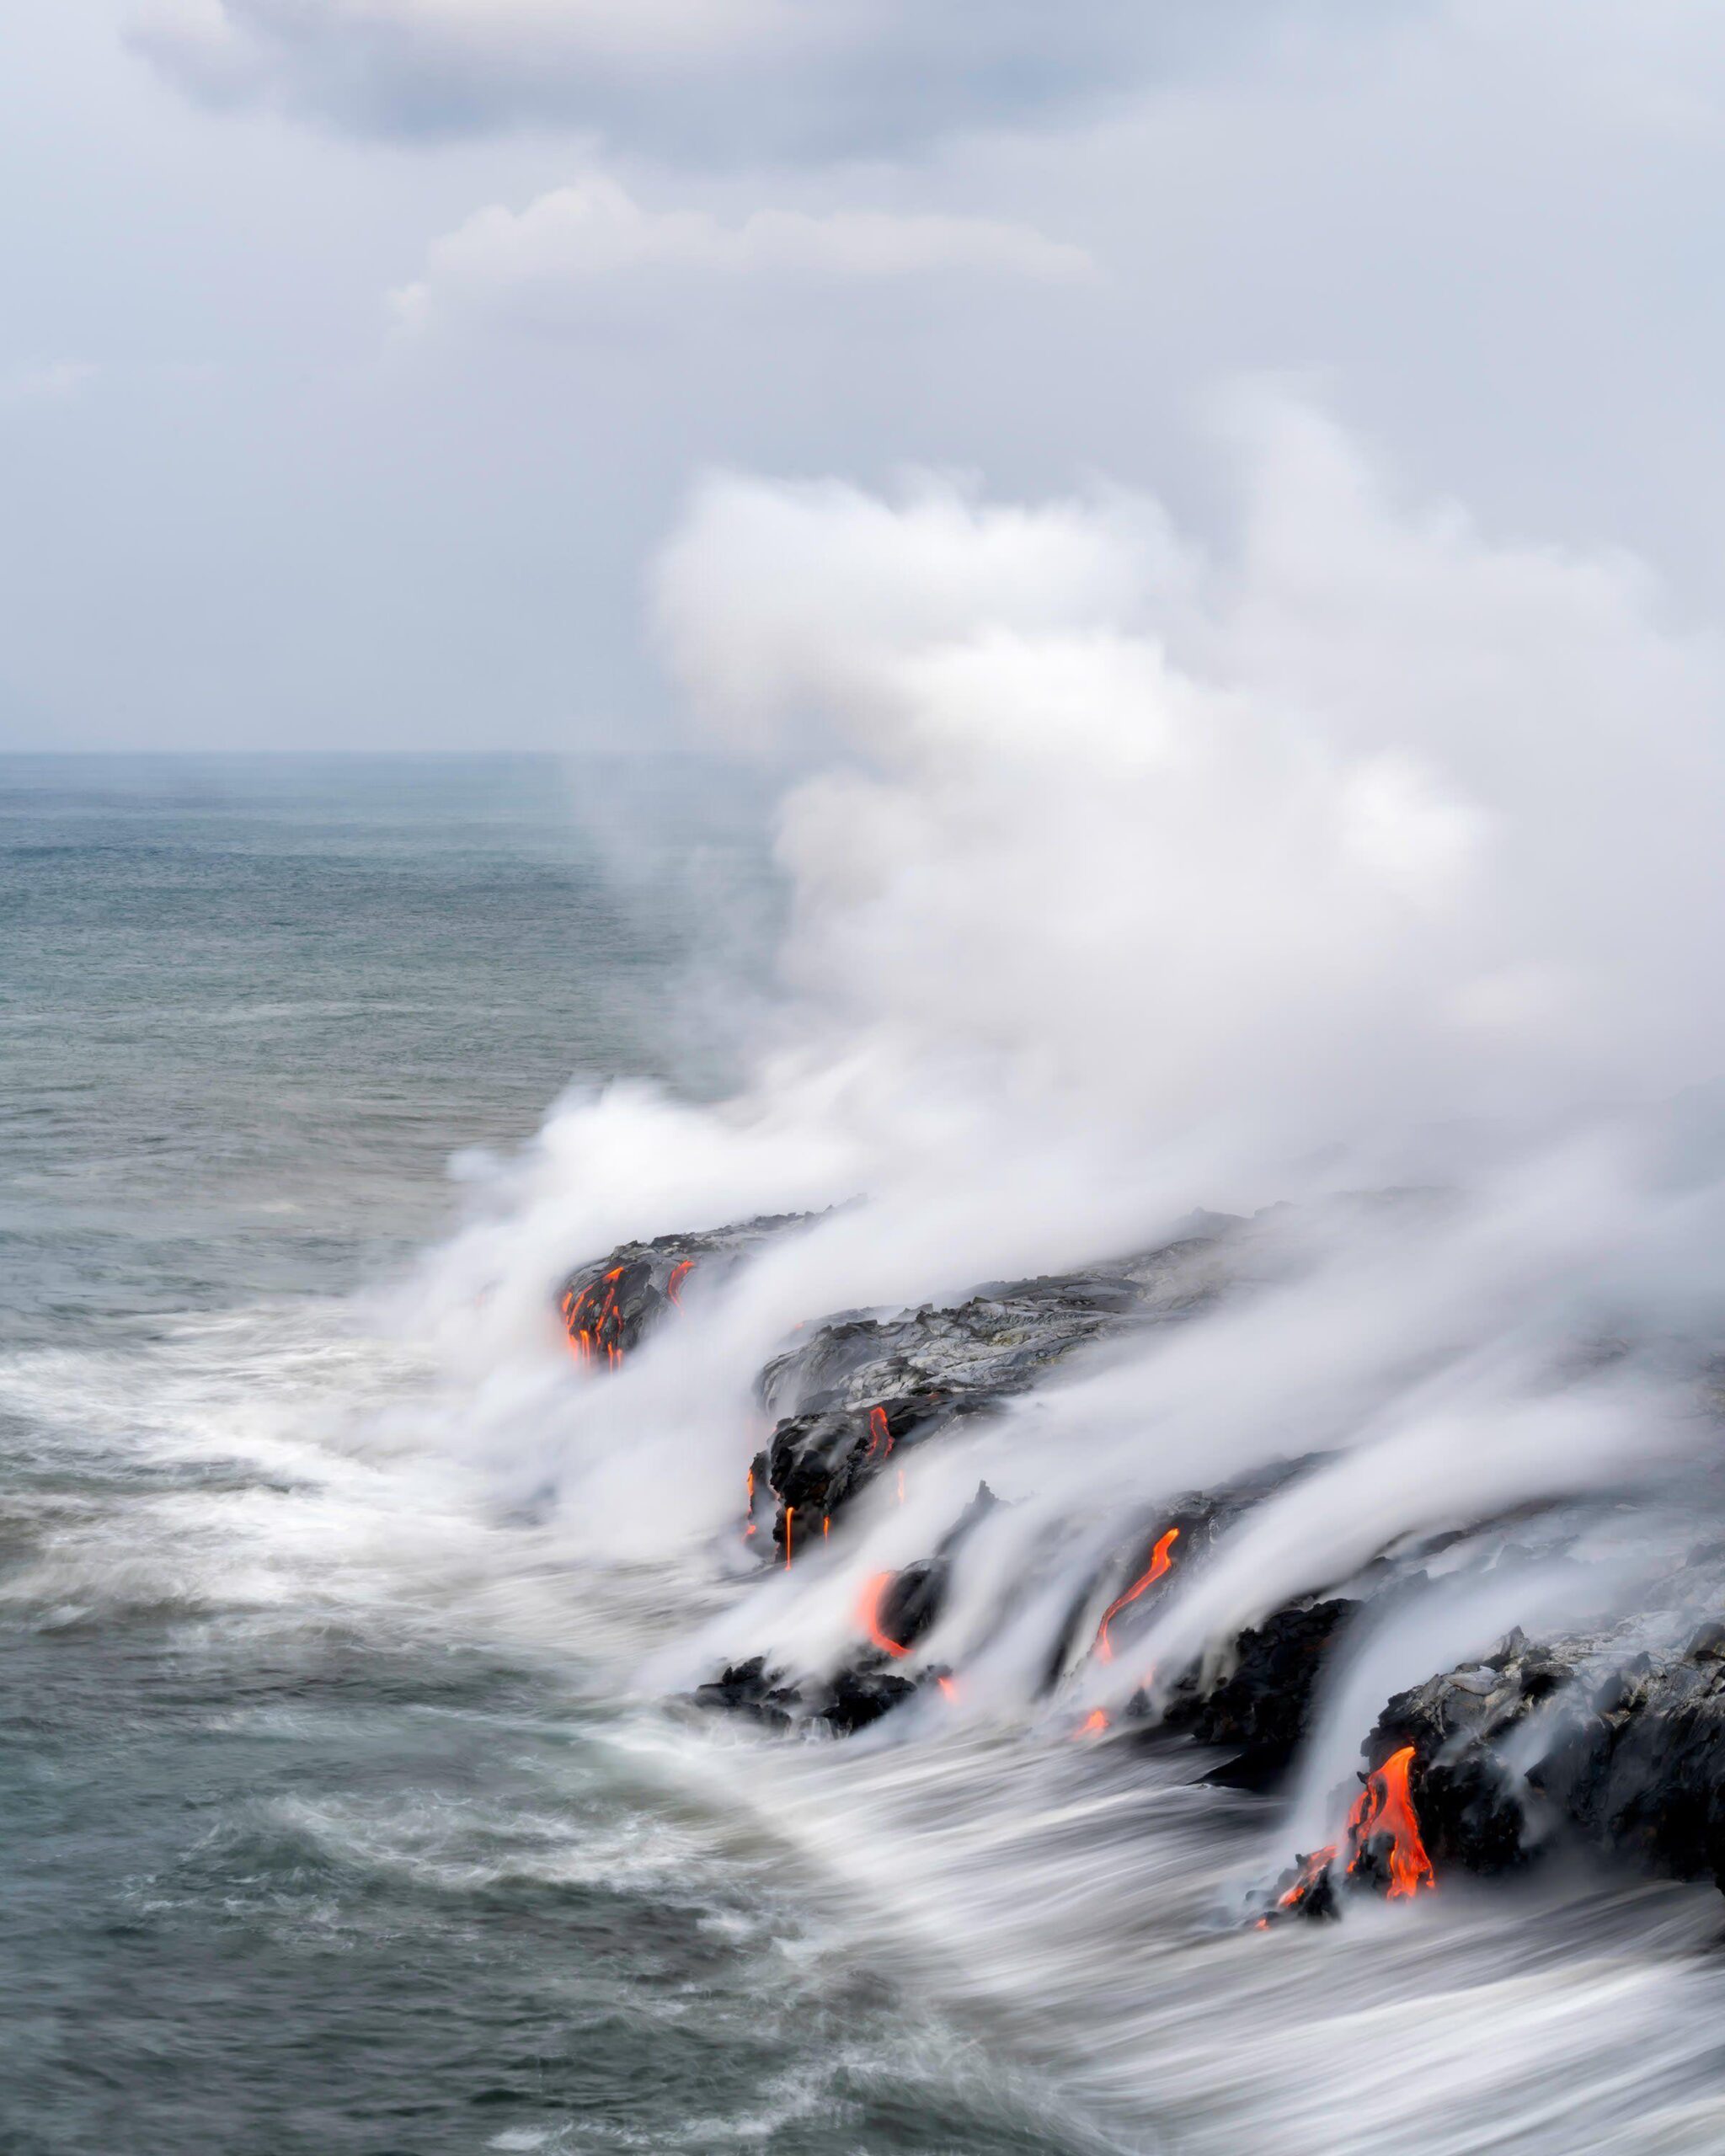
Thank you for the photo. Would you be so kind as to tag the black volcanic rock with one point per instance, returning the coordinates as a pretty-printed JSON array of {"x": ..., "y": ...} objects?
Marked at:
[
  {"x": 904, "y": 1607},
  {"x": 1637, "y": 1765},
  {"x": 610, "y": 1306},
  {"x": 1590, "y": 1739},
  {"x": 751, "y": 1689},
  {"x": 1260, "y": 1700},
  {"x": 858, "y": 1696},
  {"x": 1199, "y": 1519},
  {"x": 1473, "y": 1806},
  {"x": 858, "y": 1391},
  {"x": 1629, "y": 1755}
]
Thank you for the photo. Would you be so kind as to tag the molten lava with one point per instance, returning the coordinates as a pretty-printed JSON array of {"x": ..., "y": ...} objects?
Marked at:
[
  {"x": 586, "y": 1335},
  {"x": 1313, "y": 1871},
  {"x": 1093, "y": 1725},
  {"x": 595, "y": 1325},
  {"x": 949, "y": 1686},
  {"x": 790, "y": 1514},
  {"x": 1160, "y": 1562},
  {"x": 868, "y": 1615},
  {"x": 1385, "y": 1807},
  {"x": 879, "y": 1434},
  {"x": 749, "y": 1516}
]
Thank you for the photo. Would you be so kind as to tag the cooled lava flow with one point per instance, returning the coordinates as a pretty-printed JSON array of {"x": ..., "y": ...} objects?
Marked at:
[{"x": 1160, "y": 1562}]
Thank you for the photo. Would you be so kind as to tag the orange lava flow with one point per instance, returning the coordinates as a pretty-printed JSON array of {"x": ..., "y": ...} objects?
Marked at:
[
  {"x": 679, "y": 1273},
  {"x": 1093, "y": 1725},
  {"x": 1312, "y": 1869},
  {"x": 879, "y": 1434},
  {"x": 1385, "y": 1807},
  {"x": 790, "y": 1514},
  {"x": 749, "y": 1516},
  {"x": 1160, "y": 1562},
  {"x": 580, "y": 1347},
  {"x": 869, "y": 1614},
  {"x": 587, "y": 1336},
  {"x": 949, "y": 1686}
]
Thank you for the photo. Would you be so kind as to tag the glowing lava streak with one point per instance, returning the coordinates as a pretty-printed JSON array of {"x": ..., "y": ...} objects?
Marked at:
[
  {"x": 1160, "y": 1562},
  {"x": 749, "y": 1516},
  {"x": 679, "y": 1273},
  {"x": 1312, "y": 1869},
  {"x": 580, "y": 1346},
  {"x": 868, "y": 1615},
  {"x": 585, "y": 1340},
  {"x": 790, "y": 1514},
  {"x": 1385, "y": 1807},
  {"x": 879, "y": 1434},
  {"x": 948, "y": 1686},
  {"x": 1093, "y": 1725}
]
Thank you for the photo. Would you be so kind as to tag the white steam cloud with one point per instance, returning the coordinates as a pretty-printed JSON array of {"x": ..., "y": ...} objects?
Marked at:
[{"x": 1131, "y": 878}]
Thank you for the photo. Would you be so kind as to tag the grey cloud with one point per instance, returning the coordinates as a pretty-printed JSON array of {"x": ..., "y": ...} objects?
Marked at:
[{"x": 705, "y": 80}]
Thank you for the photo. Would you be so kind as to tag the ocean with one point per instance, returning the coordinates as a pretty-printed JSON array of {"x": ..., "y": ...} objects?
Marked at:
[{"x": 334, "y": 1815}]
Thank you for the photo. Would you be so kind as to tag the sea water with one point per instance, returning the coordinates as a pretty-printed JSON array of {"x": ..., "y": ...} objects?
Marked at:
[{"x": 332, "y": 1818}]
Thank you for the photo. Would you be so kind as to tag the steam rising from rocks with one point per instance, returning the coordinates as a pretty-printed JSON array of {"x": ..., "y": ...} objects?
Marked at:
[{"x": 1128, "y": 876}]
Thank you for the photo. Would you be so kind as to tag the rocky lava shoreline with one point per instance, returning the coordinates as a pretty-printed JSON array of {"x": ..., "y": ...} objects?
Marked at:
[{"x": 1610, "y": 1741}]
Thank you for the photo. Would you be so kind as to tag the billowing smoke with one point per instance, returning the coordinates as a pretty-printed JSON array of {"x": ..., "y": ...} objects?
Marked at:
[{"x": 1128, "y": 876}]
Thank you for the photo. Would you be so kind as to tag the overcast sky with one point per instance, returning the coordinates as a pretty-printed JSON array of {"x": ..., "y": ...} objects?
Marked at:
[{"x": 357, "y": 355}]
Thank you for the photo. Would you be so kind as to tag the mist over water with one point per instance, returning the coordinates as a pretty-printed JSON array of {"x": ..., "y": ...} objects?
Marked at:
[{"x": 1108, "y": 881}]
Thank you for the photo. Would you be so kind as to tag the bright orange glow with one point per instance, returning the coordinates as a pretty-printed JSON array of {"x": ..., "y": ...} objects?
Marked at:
[
  {"x": 879, "y": 1434},
  {"x": 749, "y": 1515},
  {"x": 679, "y": 1273},
  {"x": 1160, "y": 1562},
  {"x": 1312, "y": 1869},
  {"x": 790, "y": 1514},
  {"x": 869, "y": 1614},
  {"x": 949, "y": 1686},
  {"x": 586, "y": 1337},
  {"x": 1093, "y": 1724},
  {"x": 580, "y": 1345},
  {"x": 1385, "y": 1807},
  {"x": 825, "y": 1525}
]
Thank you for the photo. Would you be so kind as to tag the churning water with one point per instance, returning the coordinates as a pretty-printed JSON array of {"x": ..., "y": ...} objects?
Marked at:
[{"x": 334, "y": 1815}]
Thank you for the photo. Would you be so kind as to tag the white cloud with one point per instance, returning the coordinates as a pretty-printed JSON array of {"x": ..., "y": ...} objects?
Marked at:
[{"x": 545, "y": 264}]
